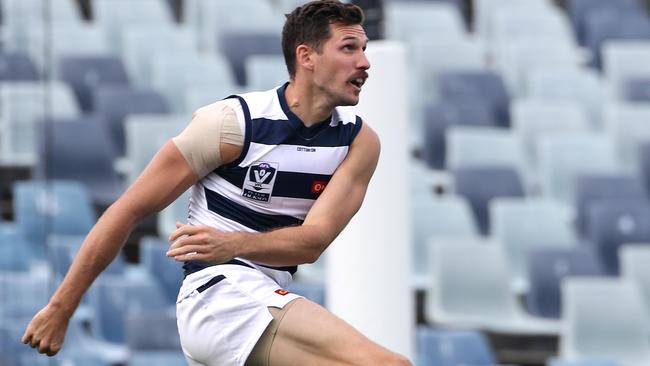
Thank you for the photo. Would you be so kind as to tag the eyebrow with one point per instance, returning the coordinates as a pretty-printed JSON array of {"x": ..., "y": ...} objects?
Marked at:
[{"x": 365, "y": 41}]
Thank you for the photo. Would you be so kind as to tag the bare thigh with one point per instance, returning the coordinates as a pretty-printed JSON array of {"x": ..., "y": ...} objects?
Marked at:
[{"x": 311, "y": 335}]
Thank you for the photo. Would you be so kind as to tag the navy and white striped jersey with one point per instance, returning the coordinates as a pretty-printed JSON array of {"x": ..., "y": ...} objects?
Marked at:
[{"x": 283, "y": 168}]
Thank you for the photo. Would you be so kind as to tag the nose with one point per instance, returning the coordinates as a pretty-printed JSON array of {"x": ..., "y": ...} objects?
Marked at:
[{"x": 363, "y": 64}]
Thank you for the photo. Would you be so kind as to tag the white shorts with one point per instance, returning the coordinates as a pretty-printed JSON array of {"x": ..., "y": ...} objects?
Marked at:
[{"x": 223, "y": 310}]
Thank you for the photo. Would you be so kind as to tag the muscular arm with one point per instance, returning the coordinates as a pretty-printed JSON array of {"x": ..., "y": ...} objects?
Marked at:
[
  {"x": 168, "y": 175},
  {"x": 297, "y": 244}
]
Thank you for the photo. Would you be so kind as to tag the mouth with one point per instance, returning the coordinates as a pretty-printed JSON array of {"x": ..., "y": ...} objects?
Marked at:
[{"x": 358, "y": 82}]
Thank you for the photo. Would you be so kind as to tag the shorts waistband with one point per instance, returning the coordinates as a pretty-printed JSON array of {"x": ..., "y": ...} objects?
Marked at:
[{"x": 195, "y": 266}]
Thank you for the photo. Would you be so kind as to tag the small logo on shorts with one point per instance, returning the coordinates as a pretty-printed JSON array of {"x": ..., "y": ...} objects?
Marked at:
[{"x": 281, "y": 291}]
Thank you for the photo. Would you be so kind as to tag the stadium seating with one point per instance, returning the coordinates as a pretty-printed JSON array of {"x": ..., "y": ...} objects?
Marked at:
[
  {"x": 265, "y": 71},
  {"x": 525, "y": 224},
  {"x": 452, "y": 347},
  {"x": 163, "y": 270},
  {"x": 447, "y": 216},
  {"x": 583, "y": 86},
  {"x": 24, "y": 103},
  {"x": 482, "y": 85},
  {"x": 442, "y": 115},
  {"x": 579, "y": 10},
  {"x": 485, "y": 147},
  {"x": 86, "y": 73},
  {"x": 15, "y": 253},
  {"x": 622, "y": 61},
  {"x": 42, "y": 208},
  {"x": 471, "y": 289},
  {"x": 548, "y": 267},
  {"x": 237, "y": 47},
  {"x": 482, "y": 184},
  {"x": 81, "y": 150},
  {"x": 115, "y": 299},
  {"x": 562, "y": 160},
  {"x": 114, "y": 103},
  {"x": 17, "y": 66},
  {"x": 633, "y": 264},
  {"x": 637, "y": 89},
  {"x": 145, "y": 134},
  {"x": 604, "y": 319},
  {"x": 174, "y": 76},
  {"x": 603, "y": 187},
  {"x": 611, "y": 224}
]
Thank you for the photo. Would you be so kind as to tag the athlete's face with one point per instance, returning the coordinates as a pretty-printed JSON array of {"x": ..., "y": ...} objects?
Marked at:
[{"x": 340, "y": 67}]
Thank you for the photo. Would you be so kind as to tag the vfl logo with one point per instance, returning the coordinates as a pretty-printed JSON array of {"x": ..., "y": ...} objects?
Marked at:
[
  {"x": 281, "y": 291},
  {"x": 259, "y": 181}
]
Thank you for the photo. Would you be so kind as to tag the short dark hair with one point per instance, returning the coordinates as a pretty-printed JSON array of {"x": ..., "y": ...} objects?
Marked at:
[{"x": 309, "y": 24}]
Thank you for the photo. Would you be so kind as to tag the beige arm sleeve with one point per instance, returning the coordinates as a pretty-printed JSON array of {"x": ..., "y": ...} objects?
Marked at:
[{"x": 212, "y": 125}]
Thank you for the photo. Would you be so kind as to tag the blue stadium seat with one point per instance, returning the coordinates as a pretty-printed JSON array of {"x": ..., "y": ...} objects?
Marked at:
[
  {"x": 42, "y": 208},
  {"x": 17, "y": 66},
  {"x": 15, "y": 253},
  {"x": 442, "y": 347},
  {"x": 164, "y": 270},
  {"x": 114, "y": 103},
  {"x": 591, "y": 188},
  {"x": 237, "y": 47},
  {"x": 548, "y": 267},
  {"x": 481, "y": 85},
  {"x": 453, "y": 112},
  {"x": 524, "y": 224},
  {"x": 481, "y": 184},
  {"x": 85, "y": 73},
  {"x": 637, "y": 90},
  {"x": 579, "y": 10},
  {"x": 612, "y": 223},
  {"x": 80, "y": 149},
  {"x": 152, "y": 331},
  {"x": 644, "y": 164},
  {"x": 113, "y": 299},
  {"x": 310, "y": 290},
  {"x": 607, "y": 25}
]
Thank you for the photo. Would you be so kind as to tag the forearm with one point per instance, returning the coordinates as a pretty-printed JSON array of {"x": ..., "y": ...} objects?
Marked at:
[
  {"x": 100, "y": 247},
  {"x": 283, "y": 247}
]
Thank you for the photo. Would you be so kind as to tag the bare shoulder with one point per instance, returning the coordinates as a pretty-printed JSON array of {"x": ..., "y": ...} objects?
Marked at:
[{"x": 367, "y": 141}]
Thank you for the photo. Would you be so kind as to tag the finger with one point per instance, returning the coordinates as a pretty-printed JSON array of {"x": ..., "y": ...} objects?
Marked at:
[
  {"x": 52, "y": 353},
  {"x": 191, "y": 256},
  {"x": 183, "y": 230},
  {"x": 179, "y": 224},
  {"x": 27, "y": 337},
  {"x": 185, "y": 240},
  {"x": 186, "y": 250},
  {"x": 44, "y": 348}
]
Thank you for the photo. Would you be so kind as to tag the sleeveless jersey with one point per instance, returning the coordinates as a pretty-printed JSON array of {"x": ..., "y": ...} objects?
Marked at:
[{"x": 283, "y": 168}]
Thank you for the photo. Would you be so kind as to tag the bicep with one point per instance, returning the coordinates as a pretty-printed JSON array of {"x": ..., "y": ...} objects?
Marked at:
[
  {"x": 164, "y": 179},
  {"x": 345, "y": 192}
]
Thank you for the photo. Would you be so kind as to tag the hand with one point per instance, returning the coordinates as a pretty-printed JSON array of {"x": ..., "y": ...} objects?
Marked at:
[
  {"x": 202, "y": 243},
  {"x": 46, "y": 331}
]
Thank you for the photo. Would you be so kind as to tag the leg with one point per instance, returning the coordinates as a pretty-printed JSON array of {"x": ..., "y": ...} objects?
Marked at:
[{"x": 310, "y": 335}]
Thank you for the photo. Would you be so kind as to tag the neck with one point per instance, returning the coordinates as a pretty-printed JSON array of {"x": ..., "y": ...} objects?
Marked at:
[{"x": 305, "y": 103}]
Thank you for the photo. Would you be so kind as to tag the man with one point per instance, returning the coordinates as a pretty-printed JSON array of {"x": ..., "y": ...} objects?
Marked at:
[{"x": 289, "y": 172}]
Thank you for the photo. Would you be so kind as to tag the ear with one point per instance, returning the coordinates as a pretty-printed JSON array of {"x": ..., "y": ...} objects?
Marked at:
[{"x": 304, "y": 57}]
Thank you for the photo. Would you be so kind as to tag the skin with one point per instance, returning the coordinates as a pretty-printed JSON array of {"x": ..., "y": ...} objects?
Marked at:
[{"x": 309, "y": 334}]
